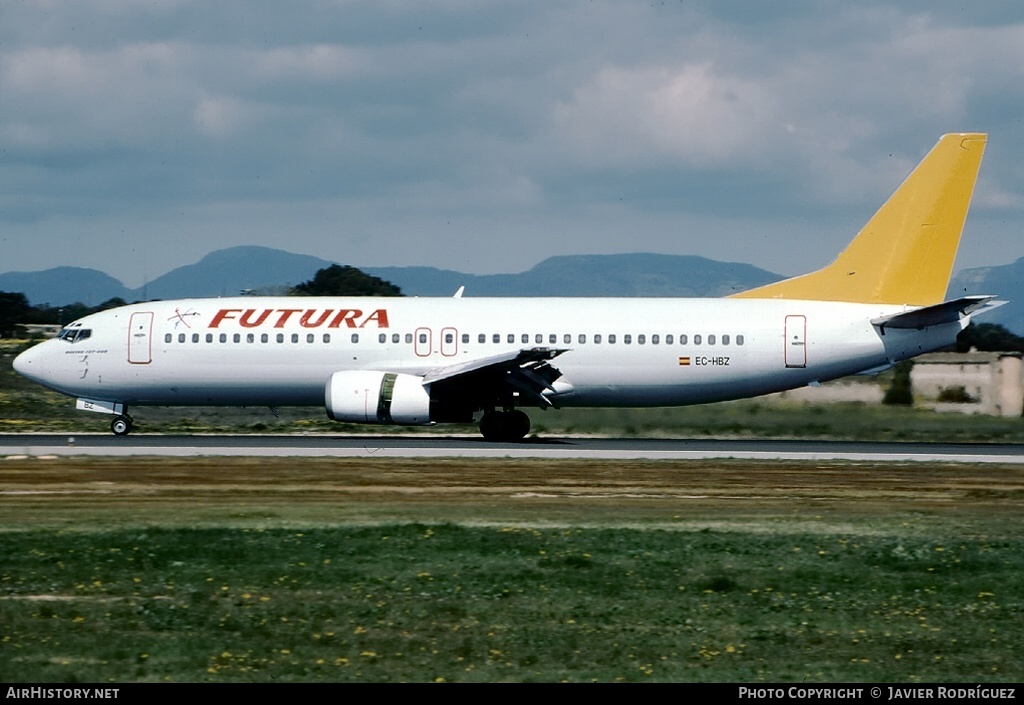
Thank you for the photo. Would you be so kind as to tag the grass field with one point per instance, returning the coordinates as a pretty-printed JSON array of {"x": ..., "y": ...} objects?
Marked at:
[{"x": 385, "y": 570}]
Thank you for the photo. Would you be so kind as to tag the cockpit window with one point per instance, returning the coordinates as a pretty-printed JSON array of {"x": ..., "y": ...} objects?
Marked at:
[{"x": 73, "y": 335}]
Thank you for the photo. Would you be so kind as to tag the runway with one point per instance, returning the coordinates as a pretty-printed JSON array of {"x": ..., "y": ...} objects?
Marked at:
[{"x": 435, "y": 446}]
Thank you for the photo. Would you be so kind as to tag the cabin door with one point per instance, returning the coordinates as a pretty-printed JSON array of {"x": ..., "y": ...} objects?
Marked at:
[
  {"x": 449, "y": 342},
  {"x": 140, "y": 338},
  {"x": 423, "y": 342},
  {"x": 796, "y": 341}
]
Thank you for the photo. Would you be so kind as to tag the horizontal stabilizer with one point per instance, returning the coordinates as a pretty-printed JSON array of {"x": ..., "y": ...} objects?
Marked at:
[{"x": 938, "y": 314}]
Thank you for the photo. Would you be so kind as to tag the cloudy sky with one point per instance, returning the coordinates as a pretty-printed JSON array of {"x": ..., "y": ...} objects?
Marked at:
[{"x": 486, "y": 136}]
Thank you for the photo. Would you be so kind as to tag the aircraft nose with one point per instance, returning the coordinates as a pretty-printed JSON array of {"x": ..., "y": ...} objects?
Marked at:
[{"x": 27, "y": 363}]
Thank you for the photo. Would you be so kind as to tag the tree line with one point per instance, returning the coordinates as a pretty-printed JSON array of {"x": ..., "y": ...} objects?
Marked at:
[{"x": 16, "y": 311}]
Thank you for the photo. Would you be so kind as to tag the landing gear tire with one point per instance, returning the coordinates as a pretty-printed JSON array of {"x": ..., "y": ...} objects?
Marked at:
[
  {"x": 505, "y": 425},
  {"x": 490, "y": 426},
  {"x": 519, "y": 425},
  {"x": 121, "y": 426}
]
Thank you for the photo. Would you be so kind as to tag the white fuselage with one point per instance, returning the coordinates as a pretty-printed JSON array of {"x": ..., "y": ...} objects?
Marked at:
[{"x": 618, "y": 352}]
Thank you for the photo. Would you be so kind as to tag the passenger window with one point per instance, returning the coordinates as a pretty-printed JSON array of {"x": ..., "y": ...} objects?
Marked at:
[
  {"x": 167, "y": 338},
  {"x": 696, "y": 340},
  {"x": 526, "y": 337},
  {"x": 382, "y": 338},
  {"x": 264, "y": 338},
  {"x": 195, "y": 337},
  {"x": 655, "y": 340},
  {"x": 597, "y": 338},
  {"x": 295, "y": 337},
  {"x": 641, "y": 339},
  {"x": 396, "y": 338},
  {"x": 449, "y": 338},
  {"x": 310, "y": 337},
  {"x": 739, "y": 340},
  {"x": 682, "y": 339},
  {"x": 481, "y": 338},
  {"x": 627, "y": 339},
  {"x": 355, "y": 337},
  {"x": 223, "y": 337},
  {"x": 327, "y": 337},
  {"x": 711, "y": 339},
  {"x": 408, "y": 337},
  {"x": 209, "y": 337},
  {"x": 567, "y": 338},
  {"x": 552, "y": 339},
  {"x": 611, "y": 339},
  {"x": 250, "y": 337},
  {"x": 496, "y": 338},
  {"x": 511, "y": 337},
  {"x": 237, "y": 337},
  {"x": 582, "y": 339},
  {"x": 725, "y": 340},
  {"x": 465, "y": 337},
  {"x": 423, "y": 338},
  {"x": 668, "y": 339},
  {"x": 280, "y": 337}
]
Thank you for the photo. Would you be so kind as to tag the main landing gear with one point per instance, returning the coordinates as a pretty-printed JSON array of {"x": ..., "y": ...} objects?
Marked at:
[
  {"x": 505, "y": 425},
  {"x": 122, "y": 425}
]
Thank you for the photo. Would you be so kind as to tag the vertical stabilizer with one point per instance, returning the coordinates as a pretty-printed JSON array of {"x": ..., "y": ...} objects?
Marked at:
[{"x": 905, "y": 254}]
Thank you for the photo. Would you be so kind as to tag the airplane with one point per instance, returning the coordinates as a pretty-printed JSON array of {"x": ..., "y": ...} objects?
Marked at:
[{"x": 420, "y": 361}]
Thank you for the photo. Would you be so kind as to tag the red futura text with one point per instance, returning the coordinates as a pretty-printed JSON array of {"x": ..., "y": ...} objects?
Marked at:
[{"x": 307, "y": 318}]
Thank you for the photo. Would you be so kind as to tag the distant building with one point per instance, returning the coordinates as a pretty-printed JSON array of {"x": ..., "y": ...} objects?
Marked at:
[
  {"x": 968, "y": 383},
  {"x": 971, "y": 383}
]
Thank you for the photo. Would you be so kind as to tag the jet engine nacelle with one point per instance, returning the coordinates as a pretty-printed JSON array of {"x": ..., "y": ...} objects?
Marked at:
[{"x": 370, "y": 396}]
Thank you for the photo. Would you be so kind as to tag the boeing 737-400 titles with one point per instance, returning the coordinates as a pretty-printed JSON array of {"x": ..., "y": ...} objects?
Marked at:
[{"x": 415, "y": 361}]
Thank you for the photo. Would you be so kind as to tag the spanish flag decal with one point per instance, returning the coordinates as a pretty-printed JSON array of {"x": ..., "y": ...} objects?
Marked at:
[{"x": 684, "y": 361}]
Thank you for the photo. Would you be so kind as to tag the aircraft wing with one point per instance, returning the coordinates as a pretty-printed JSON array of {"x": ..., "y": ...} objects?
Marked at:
[
  {"x": 937, "y": 314},
  {"x": 527, "y": 371}
]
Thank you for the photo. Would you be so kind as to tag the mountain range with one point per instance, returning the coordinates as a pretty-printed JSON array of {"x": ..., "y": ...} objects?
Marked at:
[
  {"x": 234, "y": 270},
  {"x": 260, "y": 269}
]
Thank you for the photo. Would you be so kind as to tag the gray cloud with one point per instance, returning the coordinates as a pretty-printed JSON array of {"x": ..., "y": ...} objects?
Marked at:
[{"x": 487, "y": 136}]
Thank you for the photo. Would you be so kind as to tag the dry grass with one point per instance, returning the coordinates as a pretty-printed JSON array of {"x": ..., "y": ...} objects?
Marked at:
[{"x": 233, "y": 491}]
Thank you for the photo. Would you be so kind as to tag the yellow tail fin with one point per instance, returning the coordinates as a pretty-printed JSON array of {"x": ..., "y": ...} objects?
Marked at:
[{"x": 904, "y": 255}]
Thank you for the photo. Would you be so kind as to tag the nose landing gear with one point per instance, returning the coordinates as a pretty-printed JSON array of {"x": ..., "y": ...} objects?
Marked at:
[{"x": 121, "y": 425}]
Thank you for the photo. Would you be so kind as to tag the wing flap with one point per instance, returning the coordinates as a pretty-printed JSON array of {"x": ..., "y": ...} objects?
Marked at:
[
  {"x": 526, "y": 371},
  {"x": 505, "y": 361}
]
